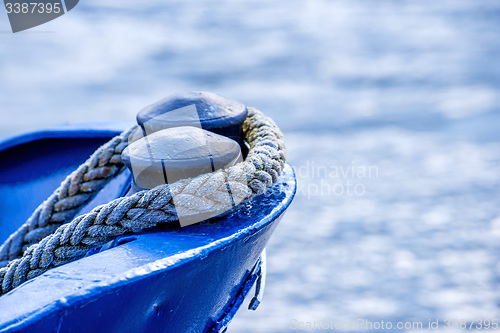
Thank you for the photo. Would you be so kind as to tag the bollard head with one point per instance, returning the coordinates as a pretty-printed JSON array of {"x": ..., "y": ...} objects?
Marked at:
[
  {"x": 178, "y": 153},
  {"x": 213, "y": 112}
]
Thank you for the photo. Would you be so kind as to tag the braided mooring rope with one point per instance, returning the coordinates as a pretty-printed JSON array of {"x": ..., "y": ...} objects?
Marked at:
[
  {"x": 63, "y": 242},
  {"x": 76, "y": 190}
]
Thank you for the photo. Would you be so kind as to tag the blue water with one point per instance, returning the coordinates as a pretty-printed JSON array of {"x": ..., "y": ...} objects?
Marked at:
[{"x": 391, "y": 116}]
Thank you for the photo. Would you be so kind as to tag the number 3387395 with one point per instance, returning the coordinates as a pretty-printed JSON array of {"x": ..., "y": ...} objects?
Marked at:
[{"x": 32, "y": 8}]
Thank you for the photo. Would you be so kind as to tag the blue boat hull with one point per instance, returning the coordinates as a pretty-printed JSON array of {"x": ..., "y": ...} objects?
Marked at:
[{"x": 189, "y": 279}]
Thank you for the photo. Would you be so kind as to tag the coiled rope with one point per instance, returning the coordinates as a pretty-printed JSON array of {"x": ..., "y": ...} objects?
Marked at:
[{"x": 51, "y": 241}]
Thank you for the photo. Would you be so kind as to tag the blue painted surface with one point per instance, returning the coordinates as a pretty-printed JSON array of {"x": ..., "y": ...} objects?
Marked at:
[
  {"x": 215, "y": 113},
  {"x": 166, "y": 279},
  {"x": 409, "y": 87},
  {"x": 36, "y": 163}
]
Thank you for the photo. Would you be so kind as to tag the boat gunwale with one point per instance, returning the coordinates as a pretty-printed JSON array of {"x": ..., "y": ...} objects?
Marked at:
[{"x": 95, "y": 290}]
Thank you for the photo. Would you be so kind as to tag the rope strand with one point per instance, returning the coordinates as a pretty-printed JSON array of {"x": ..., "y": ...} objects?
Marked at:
[
  {"x": 79, "y": 188},
  {"x": 204, "y": 194}
]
